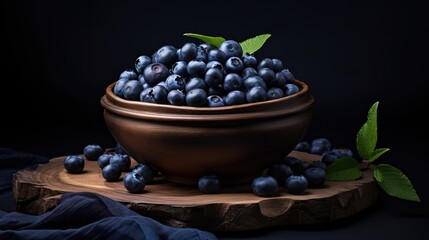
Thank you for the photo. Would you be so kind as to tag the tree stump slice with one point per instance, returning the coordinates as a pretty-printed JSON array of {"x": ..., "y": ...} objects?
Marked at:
[{"x": 236, "y": 208}]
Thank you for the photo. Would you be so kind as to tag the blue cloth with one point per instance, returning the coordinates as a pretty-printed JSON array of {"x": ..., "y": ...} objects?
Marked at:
[{"x": 82, "y": 215}]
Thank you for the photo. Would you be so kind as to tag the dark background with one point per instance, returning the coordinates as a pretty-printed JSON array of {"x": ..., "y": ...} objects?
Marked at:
[{"x": 59, "y": 56}]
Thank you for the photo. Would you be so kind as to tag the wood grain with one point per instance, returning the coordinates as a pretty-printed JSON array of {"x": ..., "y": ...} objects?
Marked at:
[{"x": 234, "y": 209}]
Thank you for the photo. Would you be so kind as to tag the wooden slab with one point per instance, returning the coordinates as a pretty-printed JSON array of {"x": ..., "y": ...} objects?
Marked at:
[{"x": 234, "y": 209}]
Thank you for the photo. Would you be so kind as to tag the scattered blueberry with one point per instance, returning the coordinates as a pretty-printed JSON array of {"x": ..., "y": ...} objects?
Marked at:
[
  {"x": 317, "y": 164},
  {"x": 280, "y": 172},
  {"x": 122, "y": 160},
  {"x": 303, "y": 146},
  {"x": 104, "y": 160},
  {"x": 320, "y": 145},
  {"x": 296, "y": 184},
  {"x": 264, "y": 186},
  {"x": 330, "y": 157},
  {"x": 209, "y": 184},
  {"x": 111, "y": 172},
  {"x": 315, "y": 177},
  {"x": 74, "y": 164},
  {"x": 134, "y": 182},
  {"x": 92, "y": 152},
  {"x": 146, "y": 171}
]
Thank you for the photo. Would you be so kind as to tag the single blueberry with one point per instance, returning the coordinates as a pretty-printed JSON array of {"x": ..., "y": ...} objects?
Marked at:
[
  {"x": 264, "y": 186},
  {"x": 216, "y": 55},
  {"x": 157, "y": 94},
  {"x": 122, "y": 160},
  {"x": 343, "y": 152},
  {"x": 155, "y": 73},
  {"x": 111, "y": 172},
  {"x": 232, "y": 82},
  {"x": 92, "y": 151},
  {"x": 303, "y": 146},
  {"x": 254, "y": 81},
  {"x": 134, "y": 182},
  {"x": 329, "y": 157},
  {"x": 291, "y": 89},
  {"x": 274, "y": 93},
  {"x": 74, "y": 164},
  {"x": 175, "y": 82},
  {"x": 188, "y": 52},
  {"x": 296, "y": 184},
  {"x": 215, "y": 64},
  {"x": 205, "y": 47},
  {"x": 196, "y": 68},
  {"x": 132, "y": 90},
  {"x": 320, "y": 145},
  {"x": 176, "y": 97},
  {"x": 249, "y": 61},
  {"x": 196, "y": 97},
  {"x": 202, "y": 55},
  {"x": 128, "y": 74},
  {"x": 256, "y": 94},
  {"x": 280, "y": 172},
  {"x": 288, "y": 75},
  {"x": 248, "y": 72},
  {"x": 142, "y": 62},
  {"x": 166, "y": 55},
  {"x": 231, "y": 48},
  {"x": 194, "y": 83},
  {"x": 317, "y": 164},
  {"x": 104, "y": 160},
  {"x": 213, "y": 77},
  {"x": 277, "y": 65},
  {"x": 315, "y": 177},
  {"x": 279, "y": 80},
  {"x": 235, "y": 97},
  {"x": 215, "y": 101},
  {"x": 119, "y": 85},
  {"x": 268, "y": 75},
  {"x": 180, "y": 68},
  {"x": 234, "y": 65},
  {"x": 265, "y": 63},
  {"x": 209, "y": 184},
  {"x": 146, "y": 171}
]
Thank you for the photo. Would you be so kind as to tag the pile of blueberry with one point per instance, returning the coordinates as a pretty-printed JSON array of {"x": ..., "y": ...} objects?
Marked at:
[{"x": 205, "y": 76}]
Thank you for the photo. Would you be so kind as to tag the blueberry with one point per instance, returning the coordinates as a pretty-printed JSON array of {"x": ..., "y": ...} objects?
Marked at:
[
  {"x": 119, "y": 85},
  {"x": 132, "y": 90},
  {"x": 315, "y": 177},
  {"x": 280, "y": 172},
  {"x": 111, "y": 172},
  {"x": 146, "y": 171},
  {"x": 290, "y": 89},
  {"x": 128, "y": 74},
  {"x": 274, "y": 93},
  {"x": 134, "y": 182},
  {"x": 265, "y": 63},
  {"x": 142, "y": 62},
  {"x": 320, "y": 145},
  {"x": 175, "y": 82},
  {"x": 216, "y": 90},
  {"x": 254, "y": 81},
  {"x": 209, "y": 184},
  {"x": 202, "y": 55},
  {"x": 343, "y": 152},
  {"x": 104, "y": 160},
  {"x": 330, "y": 157},
  {"x": 317, "y": 164},
  {"x": 231, "y": 48},
  {"x": 248, "y": 72},
  {"x": 176, "y": 97},
  {"x": 122, "y": 160},
  {"x": 188, "y": 52},
  {"x": 213, "y": 77},
  {"x": 155, "y": 73},
  {"x": 196, "y": 68},
  {"x": 157, "y": 94},
  {"x": 165, "y": 55},
  {"x": 206, "y": 48},
  {"x": 196, "y": 97},
  {"x": 249, "y": 61},
  {"x": 232, "y": 81},
  {"x": 180, "y": 68},
  {"x": 288, "y": 75},
  {"x": 279, "y": 80},
  {"x": 256, "y": 94},
  {"x": 92, "y": 151},
  {"x": 216, "y": 55},
  {"x": 215, "y": 64},
  {"x": 119, "y": 149},
  {"x": 268, "y": 75},
  {"x": 215, "y": 101},
  {"x": 234, "y": 65},
  {"x": 194, "y": 83},
  {"x": 277, "y": 65},
  {"x": 264, "y": 186},
  {"x": 74, "y": 164},
  {"x": 235, "y": 97},
  {"x": 296, "y": 184},
  {"x": 299, "y": 166},
  {"x": 303, "y": 146}
]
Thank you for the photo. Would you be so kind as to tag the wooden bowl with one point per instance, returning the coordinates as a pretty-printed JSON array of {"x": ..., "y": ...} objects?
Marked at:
[{"x": 184, "y": 143}]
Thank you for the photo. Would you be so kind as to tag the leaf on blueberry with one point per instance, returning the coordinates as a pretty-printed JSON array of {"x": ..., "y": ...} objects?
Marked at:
[
  {"x": 395, "y": 183},
  {"x": 252, "y": 45},
  {"x": 215, "y": 41},
  {"x": 344, "y": 169}
]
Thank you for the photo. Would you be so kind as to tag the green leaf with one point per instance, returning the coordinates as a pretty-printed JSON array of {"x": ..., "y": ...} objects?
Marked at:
[
  {"x": 377, "y": 153},
  {"x": 395, "y": 183},
  {"x": 215, "y": 41},
  {"x": 252, "y": 45},
  {"x": 367, "y": 136},
  {"x": 344, "y": 169}
]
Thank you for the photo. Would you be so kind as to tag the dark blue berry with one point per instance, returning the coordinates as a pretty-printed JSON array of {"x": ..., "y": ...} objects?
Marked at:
[
  {"x": 74, "y": 164},
  {"x": 343, "y": 152},
  {"x": 122, "y": 160},
  {"x": 175, "y": 82},
  {"x": 132, "y": 90},
  {"x": 209, "y": 184},
  {"x": 303, "y": 146},
  {"x": 296, "y": 184},
  {"x": 320, "y": 145},
  {"x": 142, "y": 62},
  {"x": 104, "y": 160},
  {"x": 196, "y": 68},
  {"x": 165, "y": 55},
  {"x": 235, "y": 97},
  {"x": 279, "y": 81},
  {"x": 280, "y": 172},
  {"x": 111, "y": 172},
  {"x": 231, "y": 48},
  {"x": 128, "y": 74},
  {"x": 119, "y": 85},
  {"x": 256, "y": 94},
  {"x": 274, "y": 93},
  {"x": 232, "y": 81},
  {"x": 216, "y": 55},
  {"x": 264, "y": 186},
  {"x": 267, "y": 74},
  {"x": 134, "y": 182},
  {"x": 201, "y": 55},
  {"x": 215, "y": 101},
  {"x": 315, "y": 177},
  {"x": 213, "y": 77},
  {"x": 265, "y": 63},
  {"x": 155, "y": 73},
  {"x": 180, "y": 68},
  {"x": 254, "y": 81},
  {"x": 146, "y": 171},
  {"x": 249, "y": 61},
  {"x": 288, "y": 75},
  {"x": 215, "y": 64},
  {"x": 92, "y": 151},
  {"x": 157, "y": 94},
  {"x": 194, "y": 83},
  {"x": 176, "y": 97},
  {"x": 234, "y": 65},
  {"x": 330, "y": 157},
  {"x": 206, "y": 48},
  {"x": 248, "y": 72},
  {"x": 291, "y": 89},
  {"x": 299, "y": 166},
  {"x": 317, "y": 164},
  {"x": 196, "y": 97},
  {"x": 277, "y": 65},
  {"x": 188, "y": 52}
]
